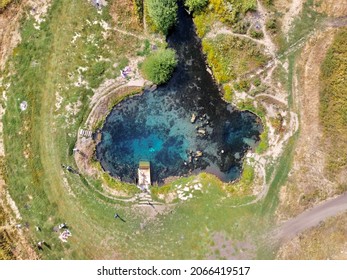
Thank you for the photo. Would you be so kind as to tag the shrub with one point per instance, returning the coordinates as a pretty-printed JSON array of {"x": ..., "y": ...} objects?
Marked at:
[
  {"x": 196, "y": 5},
  {"x": 268, "y": 3},
  {"x": 163, "y": 14},
  {"x": 230, "y": 57},
  {"x": 146, "y": 49},
  {"x": 231, "y": 11},
  {"x": 158, "y": 66},
  {"x": 256, "y": 34},
  {"x": 256, "y": 82},
  {"x": 241, "y": 27},
  {"x": 228, "y": 93},
  {"x": 4, "y": 3},
  {"x": 271, "y": 25},
  {"x": 138, "y": 7},
  {"x": 243, "y": 85},
  {"x": 203, "y": 22}
]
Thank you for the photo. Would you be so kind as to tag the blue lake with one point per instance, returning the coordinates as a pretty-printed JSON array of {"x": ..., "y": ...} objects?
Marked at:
[{"x": 157, "y": 126}]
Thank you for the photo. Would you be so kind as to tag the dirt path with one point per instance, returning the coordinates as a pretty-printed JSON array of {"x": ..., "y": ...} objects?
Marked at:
[
  {"x": 130, "y": 34},
  {"x": 9, "y": 38},
  {"x": 9, "y": 31},
  {"x": 312, "y": 217},
  {"x": 307, "y": 183},
  {"x": 294, "y": 10},
  {"x": 267, "y": 41}
]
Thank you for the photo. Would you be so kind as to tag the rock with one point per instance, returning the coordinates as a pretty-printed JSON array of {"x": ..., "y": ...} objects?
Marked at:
[
  {"x": 202, "y": 131},
  {"x": 198, "y": 153},
  {"x": 153, "y": 88},
  {"x": 193, "y": 118}
]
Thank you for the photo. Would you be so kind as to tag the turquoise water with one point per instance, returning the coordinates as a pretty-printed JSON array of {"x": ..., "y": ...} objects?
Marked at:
[{"x": 156, "y": 126}]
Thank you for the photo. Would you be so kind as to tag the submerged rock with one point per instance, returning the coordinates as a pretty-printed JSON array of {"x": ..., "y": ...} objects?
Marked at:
[
  {"x": 198, "y": 154},
  {"x": 202, "y": 131},
  {"x": 193, "y": 119}
]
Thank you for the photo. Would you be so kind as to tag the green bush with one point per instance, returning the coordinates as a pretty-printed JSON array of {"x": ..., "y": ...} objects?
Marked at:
[
  {"x": 241, "y": 27},
  {"x": 4, "y": 3},
  {"x": 138, "y": 7},
  {"x": 268, "y": 3},
  {"x": 243, "y": 85},
  {"x": 228, "y": 93},
  {"x": 163, "y": 14},
  {"x": 158, "y": 66},
  {"x": 271, "y": 25},
  {"x": 203, "y": 22},
  {"x": 196, "y": 5},
  {"x": 231, "y": 11},
  {"x": 256, "y": 34},
  {"x": 146, "y": 49},
  {"x": 256, "y": 82}
]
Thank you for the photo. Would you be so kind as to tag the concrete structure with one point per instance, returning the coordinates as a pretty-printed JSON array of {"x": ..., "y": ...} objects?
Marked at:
[{"x": 144, "y": 175}]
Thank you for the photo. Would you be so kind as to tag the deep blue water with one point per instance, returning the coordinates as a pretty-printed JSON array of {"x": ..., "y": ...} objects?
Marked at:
[{"x": 156, "y": 126}]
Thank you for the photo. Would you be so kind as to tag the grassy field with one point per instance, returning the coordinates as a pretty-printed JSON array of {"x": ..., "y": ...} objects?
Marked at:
[
  {"x": 333, "y": 110},
  {"x": 44, "y": 69}
]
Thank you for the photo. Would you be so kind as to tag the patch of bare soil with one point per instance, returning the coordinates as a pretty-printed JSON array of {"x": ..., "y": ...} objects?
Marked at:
[
  {"x": 294, "y": 10},
  {"x": 326, "y": 241},
  {"x": 10, "y": 23},
  {"x": 224, "y": 248},
  {"x": 123, "y": 14},
  {"x": 9, "y": 31},
  {"x": 307, "y": 184}
]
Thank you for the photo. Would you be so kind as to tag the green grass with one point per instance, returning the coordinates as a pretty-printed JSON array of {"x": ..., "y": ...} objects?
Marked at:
[{"x": 279, "y": 176}]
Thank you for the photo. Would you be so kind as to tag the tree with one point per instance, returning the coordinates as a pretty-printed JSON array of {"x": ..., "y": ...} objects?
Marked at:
[
  {"x": 158, "y": 66},
  {"x": 163, "y": 13}
]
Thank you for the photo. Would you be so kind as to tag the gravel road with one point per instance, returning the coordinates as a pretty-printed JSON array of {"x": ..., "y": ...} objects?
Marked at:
[{"x": 312, "y": 217}]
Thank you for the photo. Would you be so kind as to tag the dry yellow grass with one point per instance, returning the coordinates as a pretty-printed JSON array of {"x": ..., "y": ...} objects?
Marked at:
[{"x": 327, "y": 241}]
